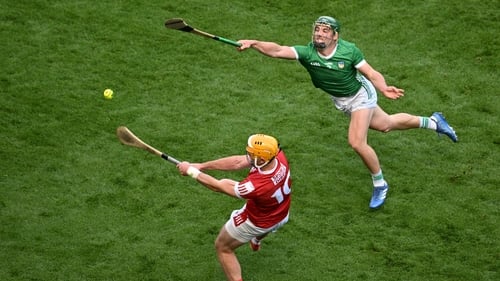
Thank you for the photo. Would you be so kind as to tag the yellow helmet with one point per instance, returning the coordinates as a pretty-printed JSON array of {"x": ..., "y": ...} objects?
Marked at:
[{"x": 262, "y": 146}]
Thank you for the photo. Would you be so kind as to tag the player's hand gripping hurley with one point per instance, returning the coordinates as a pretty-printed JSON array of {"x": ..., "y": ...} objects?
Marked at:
[
  {"x": 128, "y": 138},
  {"x": 181, "y": 25}
]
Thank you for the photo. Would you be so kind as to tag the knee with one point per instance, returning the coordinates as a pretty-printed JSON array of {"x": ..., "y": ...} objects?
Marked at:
[
  {"x": 218, "y": 246},
  {"x": 384, "y": 128},
  {"x": 387, "y": 129},
  {"x": 357, "y": 145}
]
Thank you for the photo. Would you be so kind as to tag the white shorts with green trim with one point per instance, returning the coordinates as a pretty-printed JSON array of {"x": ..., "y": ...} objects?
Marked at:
[{"x": 366, "y": 97}]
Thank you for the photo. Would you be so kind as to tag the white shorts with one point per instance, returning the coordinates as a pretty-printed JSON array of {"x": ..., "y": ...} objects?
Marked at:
[
  {"x": 366, "y": 97},
  {"x": 246, "y": 230}
]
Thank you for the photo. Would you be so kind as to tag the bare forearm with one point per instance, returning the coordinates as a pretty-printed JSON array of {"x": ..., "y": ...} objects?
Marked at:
[
  {"x": 230, "y": 163},
  {"x": 269, "y": 49},
  {"x": 223, "y": 185},
  {"x": 208, "y": 181},
  {"x": 378, "y": 81}
]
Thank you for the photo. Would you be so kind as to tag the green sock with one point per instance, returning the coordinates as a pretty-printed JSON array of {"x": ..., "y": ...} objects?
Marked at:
[
  {"x": 428, "y": 123},
  {"x": 378, "y": 179}
]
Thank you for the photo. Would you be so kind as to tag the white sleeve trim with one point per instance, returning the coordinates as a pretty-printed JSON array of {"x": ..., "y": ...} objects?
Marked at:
[
  {"x": 243, "y": 189},
  {"x": 296, "y": 54},
  {"x": 236, "y": 190},
  {"x": 360, "y": 64}
]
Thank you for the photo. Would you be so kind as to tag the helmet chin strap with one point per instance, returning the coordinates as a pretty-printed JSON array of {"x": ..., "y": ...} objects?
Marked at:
[
  {"x": 257, "y": 165},
  {"x": 253, "y": 162}
]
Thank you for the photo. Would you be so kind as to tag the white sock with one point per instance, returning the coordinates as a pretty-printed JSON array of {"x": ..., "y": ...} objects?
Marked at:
[
  {"x": 428, "y": 123},
  {"x": 378, "y": 179}
]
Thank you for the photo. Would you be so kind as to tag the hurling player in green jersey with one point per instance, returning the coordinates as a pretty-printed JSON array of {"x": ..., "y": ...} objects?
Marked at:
[{"x": 339, "y": 68}]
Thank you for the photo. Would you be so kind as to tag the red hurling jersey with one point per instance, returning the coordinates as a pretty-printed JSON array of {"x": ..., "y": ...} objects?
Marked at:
[{"x": 267, "y": 194}]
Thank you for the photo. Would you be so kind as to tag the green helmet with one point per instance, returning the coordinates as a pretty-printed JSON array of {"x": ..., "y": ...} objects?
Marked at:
[{"x": 333, "y": 23}]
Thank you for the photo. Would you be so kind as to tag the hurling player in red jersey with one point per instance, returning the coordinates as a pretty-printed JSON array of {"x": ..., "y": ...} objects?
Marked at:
[{"x": 266, "y": 190}]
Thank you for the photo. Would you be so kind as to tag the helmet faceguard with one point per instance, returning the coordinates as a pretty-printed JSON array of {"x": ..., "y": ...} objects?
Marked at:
[
  {"x": 325, "y": 21},
  {"x": 261, "y": 149}
]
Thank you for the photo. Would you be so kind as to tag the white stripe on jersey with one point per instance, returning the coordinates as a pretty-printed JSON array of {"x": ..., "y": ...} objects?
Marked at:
[{"x": 244, "y": 189}]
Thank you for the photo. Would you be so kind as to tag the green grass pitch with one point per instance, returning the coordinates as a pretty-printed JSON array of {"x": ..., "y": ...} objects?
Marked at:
[{"x": 75, "y": 204}]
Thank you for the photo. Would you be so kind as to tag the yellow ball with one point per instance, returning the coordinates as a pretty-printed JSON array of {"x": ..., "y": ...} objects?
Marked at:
[{"x": 108, "y": 94}]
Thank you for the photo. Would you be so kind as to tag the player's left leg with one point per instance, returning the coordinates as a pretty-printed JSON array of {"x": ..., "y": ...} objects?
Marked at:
[
  {"x": 384, "y": 122},
  {"x": 262, "y": 233},
  {"x": 225, "y": 246},
  {"x": 255, "y": 242}
]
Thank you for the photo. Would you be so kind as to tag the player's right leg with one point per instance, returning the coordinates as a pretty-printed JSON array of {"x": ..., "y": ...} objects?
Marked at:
[
  {"x": 358, "y": 131},
  {"x": 358, "y": 138},
  {"x": 225, "y": 246}
]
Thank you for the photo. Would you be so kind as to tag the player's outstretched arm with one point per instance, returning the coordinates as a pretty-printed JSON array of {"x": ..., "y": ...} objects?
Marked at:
[
  {"x": 224, "y": 185},
  {"x": 378, "y": 81},
  {"x": 230, "y": 163},
  {"x": 269, "y": 49}
]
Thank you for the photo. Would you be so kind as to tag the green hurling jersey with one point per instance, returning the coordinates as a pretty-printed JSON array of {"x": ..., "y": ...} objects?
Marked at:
[{"x": 335, "y": 75}]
